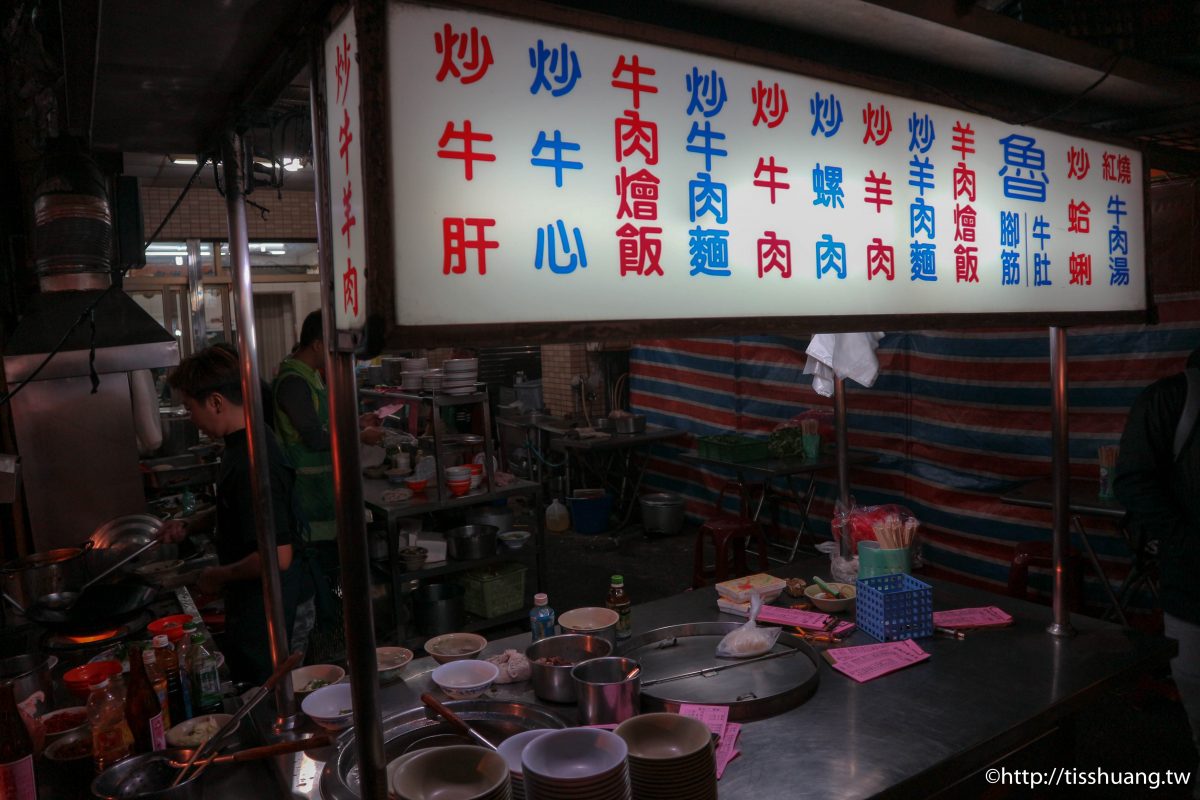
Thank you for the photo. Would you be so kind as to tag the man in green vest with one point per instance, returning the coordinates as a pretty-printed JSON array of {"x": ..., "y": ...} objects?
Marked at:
[{"x": 302, "y": 423}]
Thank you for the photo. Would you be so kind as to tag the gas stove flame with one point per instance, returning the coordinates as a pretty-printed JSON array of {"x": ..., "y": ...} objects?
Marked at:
[{"x": 91, "y": 638}]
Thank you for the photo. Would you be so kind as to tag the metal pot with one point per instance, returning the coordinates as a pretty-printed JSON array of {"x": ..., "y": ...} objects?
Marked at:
[
  {"x": 28, "y": 674},
  {"x": 662, "y": 512},
  {"x": 149, "y": 776},
  {"x": 499, "y": 517},
  {"x": 471, "y": 542},
  {"x": 554, "y": 683},
  {"x": 39, "y": 574},
  {"x": 178, "y": 431},
  {"x": 634, "y": 423}
]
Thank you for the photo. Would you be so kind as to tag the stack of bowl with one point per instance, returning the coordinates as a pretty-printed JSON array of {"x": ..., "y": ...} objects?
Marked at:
[
  {"x": 511, "y": 750},
  {"x": 412, "y": 371},
  {"x": 576, "y": 762},
  {"x": 670, "y": 757},
  {"x": 459, "y": 375},
  {"x": 431, "y": 380},
  {"x": 458, "y": 480},
  {"x": 463, "y": 772}
]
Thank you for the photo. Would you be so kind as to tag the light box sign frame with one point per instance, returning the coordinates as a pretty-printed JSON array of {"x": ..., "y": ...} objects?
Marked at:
[{"x": 534, "y": 223}]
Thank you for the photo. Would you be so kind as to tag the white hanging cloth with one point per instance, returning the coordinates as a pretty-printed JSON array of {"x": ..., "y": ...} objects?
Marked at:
[{"x": 842, "y": 355}]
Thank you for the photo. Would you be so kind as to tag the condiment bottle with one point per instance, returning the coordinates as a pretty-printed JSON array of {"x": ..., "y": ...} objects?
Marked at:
[
  {"x": 619, "y": 602},
  {"x": 158, "y": 679},
  {"x": 206, "y": 680},
  {"x": 17, "y": 778},
  {"x": 168, "y": 661},
  {"x": 541, "y": 617},
  {"x": 558, "y": 519},
  {"x": 111, "y": 738},
  {"x": 183, "y": 650},
  {"x": 143, "y": 712}
]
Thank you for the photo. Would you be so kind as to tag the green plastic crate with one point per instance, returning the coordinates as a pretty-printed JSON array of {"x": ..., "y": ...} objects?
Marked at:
[
  {"x": 733, "y": 447},
  {"x": 496, "y": 590}
]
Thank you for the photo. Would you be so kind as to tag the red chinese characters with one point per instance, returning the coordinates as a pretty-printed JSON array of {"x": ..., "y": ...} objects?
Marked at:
[
  {"x": 455, "y": 244},
  {"x": 348, "y": 218},
  {"x": 878, "y": 124},
  {"x": 350, "y": 288},
  {"x": 881, "y": 260},
  {"x": 639, "y": 249},
  {"x": 1079, "y": 218},
  {"x": 469, "y": 138},
  {"x": 1117, "y": 168},
  {"x": 1078, "y": 163},
  {"x": 343, "y": 59},
  {"x": 1080, "y": 265},
  {"x": 772, "y": 171},
  {"x": 770, "y": 104},
  {"x": 465, "y": 56},
  {"x": 878, "y": 190},
  {"x": 774, "y": 254},
  {"x": 966, "y": 254},
  {"x": 633, "y": 83},
  {"x": 639, "y": 194},
  {"x": 342, "y": 71}
]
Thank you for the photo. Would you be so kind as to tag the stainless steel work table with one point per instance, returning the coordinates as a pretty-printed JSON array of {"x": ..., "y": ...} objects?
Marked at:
[{"x": 908, "y": 734}]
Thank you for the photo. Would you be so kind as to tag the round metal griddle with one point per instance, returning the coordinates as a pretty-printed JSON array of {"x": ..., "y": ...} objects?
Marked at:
[{"x": 751, "y": 691}]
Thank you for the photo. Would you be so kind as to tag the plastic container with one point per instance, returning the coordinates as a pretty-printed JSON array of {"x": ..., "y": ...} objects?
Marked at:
[
  {"x": 558, "y": 519},
  {"x": 733, "y": 447},
  {"x": 590, "y": 514},
  {"x": 492, "y": 591},
  {"x": 529, "y": 395},
  {"x": 894, "y": 607}
]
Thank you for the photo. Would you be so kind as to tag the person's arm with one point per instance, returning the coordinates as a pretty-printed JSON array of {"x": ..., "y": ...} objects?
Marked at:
[
  {"x": 1145, "y": 464},
  {"x": 213, "y": 578},
  {"x": 295, "y": 400}
]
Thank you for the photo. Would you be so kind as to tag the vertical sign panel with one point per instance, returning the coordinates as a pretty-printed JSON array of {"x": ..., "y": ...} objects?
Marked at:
[
  {"x": 548, "y": 174},
  {"x": 347, "y": 230}
]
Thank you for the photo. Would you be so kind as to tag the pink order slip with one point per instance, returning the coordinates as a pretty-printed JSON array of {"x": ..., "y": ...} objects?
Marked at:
[
  {"x": 983, "y": 617},
  {"x": 727, "y": 750},
  {"x": 809, "y": 620},
  {"x": 715, "y": 717},
  {"x": 871, "y": 661}
]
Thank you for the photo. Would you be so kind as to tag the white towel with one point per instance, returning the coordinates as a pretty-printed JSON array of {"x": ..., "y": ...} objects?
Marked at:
[{"x": 842, "y": 355}]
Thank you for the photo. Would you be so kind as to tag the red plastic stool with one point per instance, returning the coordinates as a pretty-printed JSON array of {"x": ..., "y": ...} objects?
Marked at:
[{"x": 726, "y": 530}]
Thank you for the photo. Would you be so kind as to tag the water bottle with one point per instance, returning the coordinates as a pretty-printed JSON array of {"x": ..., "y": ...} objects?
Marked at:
[{"x": 541, "y": 617}]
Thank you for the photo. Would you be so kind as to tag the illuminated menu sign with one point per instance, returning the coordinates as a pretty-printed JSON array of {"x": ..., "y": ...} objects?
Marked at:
[{"x": 549, "y": 174}]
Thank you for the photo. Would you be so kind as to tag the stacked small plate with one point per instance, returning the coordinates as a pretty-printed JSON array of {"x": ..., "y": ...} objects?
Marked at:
[
  {"x": 511, "y": 750},
  {"x": 431, "y": 380},
  {"x": 459, "y": 375},
  {"x": 576, "y": 764},
  {"x": 670, "y": 757},
  {"x": 457, "y": 772},
  {"x": 412, "y": 372}
]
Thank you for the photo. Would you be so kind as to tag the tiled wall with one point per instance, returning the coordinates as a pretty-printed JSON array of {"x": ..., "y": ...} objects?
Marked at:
[
  {"x": 561, "y": 363},
  {"x": 202, "y": 215}
]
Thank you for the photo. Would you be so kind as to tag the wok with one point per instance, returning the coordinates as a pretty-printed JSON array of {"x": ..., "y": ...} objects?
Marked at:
[{"x": 103, "y": 605}]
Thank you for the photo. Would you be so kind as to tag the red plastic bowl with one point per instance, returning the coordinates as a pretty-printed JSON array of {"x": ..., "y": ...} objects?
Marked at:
[{"x": 80, "y": 680}]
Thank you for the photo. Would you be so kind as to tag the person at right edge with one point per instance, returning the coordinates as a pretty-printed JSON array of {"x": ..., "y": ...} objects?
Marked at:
[{"x": 1161, "y": 493}]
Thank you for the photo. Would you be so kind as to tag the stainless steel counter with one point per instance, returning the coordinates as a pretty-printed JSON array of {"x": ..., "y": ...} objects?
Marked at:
[{"x": 908, "y": 734}]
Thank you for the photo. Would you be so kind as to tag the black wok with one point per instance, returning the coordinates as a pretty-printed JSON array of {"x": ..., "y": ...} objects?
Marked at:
[{"x": 98, "y": 606}]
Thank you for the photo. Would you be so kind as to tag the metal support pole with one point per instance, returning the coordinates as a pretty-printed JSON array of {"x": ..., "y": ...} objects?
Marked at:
[
  {"x": 839, "y": 426},
  {"x": 256, "y": 427},
  {"x": 1060, "y": 466},
  {"x": 195, "y": 294}
]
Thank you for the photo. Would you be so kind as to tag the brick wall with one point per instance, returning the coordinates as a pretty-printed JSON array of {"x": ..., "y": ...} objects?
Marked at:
[{"x": 202, "y": 215}]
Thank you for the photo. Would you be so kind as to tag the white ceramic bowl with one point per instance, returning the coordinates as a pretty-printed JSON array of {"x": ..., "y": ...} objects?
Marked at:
[
  {"x": 450, "y": 772},
  {"x": 514, "y": 540},
  {"x": 326, "y": 674},
  {"x": 461, "y": 473},
  {"x": 455, "y": 647},
  {"x": 196, "y": 731},
  {"x": 512, "y": 747},
  {"x": 330, "y": 707},
  {"x": 574, "y": 754},
  {"x": 465, "y": 680}
]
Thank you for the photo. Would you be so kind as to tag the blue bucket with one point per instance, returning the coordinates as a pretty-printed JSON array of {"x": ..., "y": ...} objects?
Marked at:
[{"x": 590, "y": 514}]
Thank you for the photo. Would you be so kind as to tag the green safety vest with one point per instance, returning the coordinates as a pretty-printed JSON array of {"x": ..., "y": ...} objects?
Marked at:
[{"x": 314, "y": 469}]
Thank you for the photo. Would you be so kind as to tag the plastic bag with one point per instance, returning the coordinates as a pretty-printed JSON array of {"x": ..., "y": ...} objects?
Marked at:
[
  {"x": 514, "y": 666},
  {"x": 749, "y": 640},
  {"x": 843, "y": 570},
  {"x": 859, "y": 523}
]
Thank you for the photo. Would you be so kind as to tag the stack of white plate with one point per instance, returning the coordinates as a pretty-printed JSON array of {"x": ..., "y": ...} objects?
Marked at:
[
  {"x": 670, "y": 757},
  {"x": 511, "y": 750},
  {"x": 459, "y": 375},
  {"x": 576, "y": 764},
  {"x": 457, "y": 772},
  {"x": 431, "y": 380},
  {"x": 412, "y": 371}
]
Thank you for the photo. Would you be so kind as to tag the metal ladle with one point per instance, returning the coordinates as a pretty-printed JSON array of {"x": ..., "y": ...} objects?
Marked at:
[{"x": 62, "y": 601}]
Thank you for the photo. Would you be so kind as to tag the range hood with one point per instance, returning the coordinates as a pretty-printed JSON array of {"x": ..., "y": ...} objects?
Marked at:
[{"x": 126, "y": 337}]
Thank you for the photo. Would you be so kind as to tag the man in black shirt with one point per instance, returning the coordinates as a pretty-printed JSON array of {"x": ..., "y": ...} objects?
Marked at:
[
  {"x": 210, "y": 385},
  {"x": 1161, "y": 491}
]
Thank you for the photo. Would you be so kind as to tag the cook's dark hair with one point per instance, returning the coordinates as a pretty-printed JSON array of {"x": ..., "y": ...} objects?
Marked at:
[
  {"x": 311, "y": 331},
  {"x": 213, "y": 370}
]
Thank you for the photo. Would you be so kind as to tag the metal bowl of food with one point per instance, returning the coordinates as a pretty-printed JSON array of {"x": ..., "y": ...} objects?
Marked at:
[{"x": 552, "y": 658}]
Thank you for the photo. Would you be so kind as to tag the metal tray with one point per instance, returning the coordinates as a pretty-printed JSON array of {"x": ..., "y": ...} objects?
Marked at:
[
  {"x": 416, "y": 727},
  {"x": 751, "y": 691}
]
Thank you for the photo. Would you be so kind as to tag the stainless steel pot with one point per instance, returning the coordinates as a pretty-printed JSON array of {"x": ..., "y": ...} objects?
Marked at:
[
  {"x": 178, "y": 431},
  {"x": 554, "y": 682},
  {"x": 39, "y": 574},
  {"x": 28, "y": 674},
  {"x": 149, "y": 776},
  {"x": 499, "y": 517},
  {"x": 634, "y": 423},
  {"x": 662, "y": 512},
  {"x": 470, "y": 542}
]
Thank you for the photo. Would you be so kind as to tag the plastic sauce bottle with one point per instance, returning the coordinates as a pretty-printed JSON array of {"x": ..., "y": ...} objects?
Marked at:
[
  {"x": 111, "y": 739},
  {"x": 183, "y": 653},
  {"x": 541, "y": 617},
  {"x": 17, "y": 779},
  {"x": 158, "y": 679},
  {"x": 168, "y": 662},
  {"x": 143, "y": 713},
  {"x": 558, "y": 519},
  {"x": 206, "y": 679},
  {"x": 619, "y": 602}
]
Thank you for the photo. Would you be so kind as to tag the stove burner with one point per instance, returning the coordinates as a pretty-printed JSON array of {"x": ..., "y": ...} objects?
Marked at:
[{"x": 91, "y": 639}]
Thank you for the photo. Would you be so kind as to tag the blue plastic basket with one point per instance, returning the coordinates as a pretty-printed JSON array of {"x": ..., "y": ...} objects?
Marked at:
[
  {"x": 590, "y": 514},
  {"x": 894, "y": 607}
]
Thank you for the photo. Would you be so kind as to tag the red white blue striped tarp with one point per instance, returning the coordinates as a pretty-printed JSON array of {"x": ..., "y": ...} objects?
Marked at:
[{"x": 955, "y": 420}]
